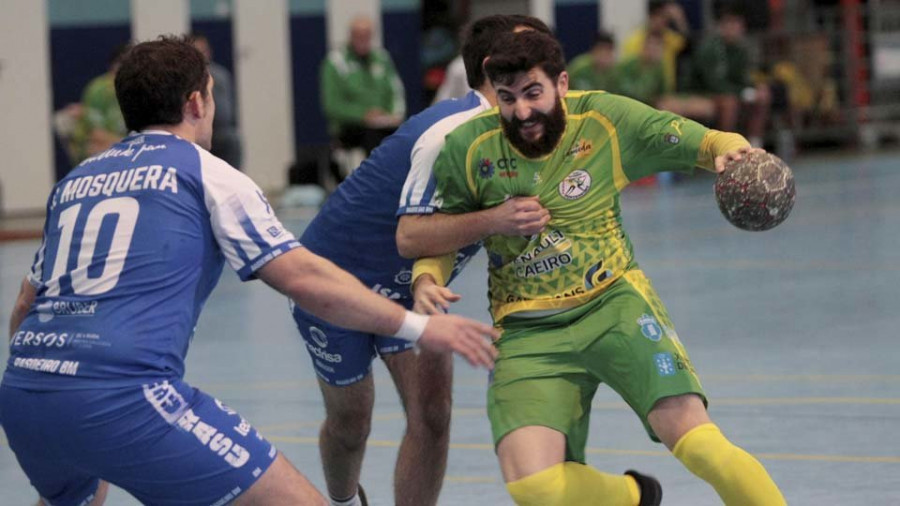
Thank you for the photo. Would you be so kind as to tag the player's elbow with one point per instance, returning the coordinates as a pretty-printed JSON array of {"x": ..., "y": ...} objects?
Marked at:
[
  {"x": 407, "y": 243},
  {"x": 405, "y": 246},
  {"x": 295, "y": 273}
]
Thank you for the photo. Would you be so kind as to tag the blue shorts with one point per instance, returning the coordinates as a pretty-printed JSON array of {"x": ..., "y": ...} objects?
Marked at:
[
  {"x": 164, "y": 443},
  {"x": 342, "y": 357}
]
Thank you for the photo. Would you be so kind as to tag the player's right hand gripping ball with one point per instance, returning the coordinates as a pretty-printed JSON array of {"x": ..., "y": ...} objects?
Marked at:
[{"x": 756, "y": 192}]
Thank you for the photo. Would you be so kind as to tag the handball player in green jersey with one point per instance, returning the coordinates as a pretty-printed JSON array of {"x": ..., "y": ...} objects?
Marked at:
[{"x": 574, "y": 307}]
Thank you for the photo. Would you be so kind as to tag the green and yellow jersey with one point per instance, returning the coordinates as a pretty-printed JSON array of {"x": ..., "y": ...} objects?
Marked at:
[{"x": 609, "y": 141}]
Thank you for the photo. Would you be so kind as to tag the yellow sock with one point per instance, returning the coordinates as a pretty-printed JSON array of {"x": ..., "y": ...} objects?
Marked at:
[
  {"x": 739, "y": 479},
  {"x": 571, "y": 483}
]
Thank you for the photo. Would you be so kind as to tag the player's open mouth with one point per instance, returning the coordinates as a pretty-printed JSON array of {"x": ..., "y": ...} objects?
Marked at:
[{"x": 530, "y": 128}]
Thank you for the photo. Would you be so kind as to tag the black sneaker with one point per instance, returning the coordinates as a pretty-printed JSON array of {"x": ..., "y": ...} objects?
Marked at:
[
  {"x": 651, "y": 490},
  {"x": 365, "y": 502}
]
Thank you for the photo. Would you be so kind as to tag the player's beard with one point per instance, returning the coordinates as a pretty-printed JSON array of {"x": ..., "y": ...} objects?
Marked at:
[{"x": 554, "y": 124}]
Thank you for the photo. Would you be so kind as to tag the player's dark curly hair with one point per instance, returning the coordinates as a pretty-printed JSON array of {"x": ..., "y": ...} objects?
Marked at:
[
  {"x": 513, "y": 53},
  {"x": 479, "y": 37},
  {"x": 156, "y": 78}
]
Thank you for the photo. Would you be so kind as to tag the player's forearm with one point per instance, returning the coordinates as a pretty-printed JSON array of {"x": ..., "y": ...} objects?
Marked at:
[
  {"x": 340, "y": 299},
  {"x": 23, "y": 303},
  {"x": 438, "y": 268},
  {"x": 332, "y": 294},
  {"x": 716, "y": 143},
  {"x": 438, "y": 234}
]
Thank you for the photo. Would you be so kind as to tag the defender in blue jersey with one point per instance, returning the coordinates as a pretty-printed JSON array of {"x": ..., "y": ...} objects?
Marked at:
[
  {"x": 134, "y": 242},
  {"x": 356, "y": 229}
]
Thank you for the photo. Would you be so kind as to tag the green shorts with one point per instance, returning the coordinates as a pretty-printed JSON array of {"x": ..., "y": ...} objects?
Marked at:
[{"x": 549, "y": 367}]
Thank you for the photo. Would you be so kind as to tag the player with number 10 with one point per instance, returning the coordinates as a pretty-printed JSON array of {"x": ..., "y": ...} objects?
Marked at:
[{"x": 134, "y": 242}]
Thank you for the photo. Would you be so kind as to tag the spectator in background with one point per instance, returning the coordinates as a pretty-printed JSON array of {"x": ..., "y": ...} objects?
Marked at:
[
  {"x": 804, "y": 69},
  {"x": 455, "y": 84},
  {"x": 226, "y": 140},
  {"x": 665, "y": 18},
  {"x": 643, "y": 78},
  {"x": 595, "y": 70},
  {"x": 362, "y": 95},
  {"x": 99, "y": 122},
  {"x": 444, "y": 74},
  {"x": 721, "y": 70}
]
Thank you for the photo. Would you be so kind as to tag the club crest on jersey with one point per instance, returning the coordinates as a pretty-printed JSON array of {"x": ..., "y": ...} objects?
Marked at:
[
  {"x": 672, "y": 139},
  {"x": 485, "y": 168},
  {"x": 575, "y": 185},
  {"x": 649, "y": 327}
]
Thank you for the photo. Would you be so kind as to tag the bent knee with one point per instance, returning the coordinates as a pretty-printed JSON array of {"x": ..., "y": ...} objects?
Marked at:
[
  {"x": 350, "y": 427},
  {"x": 433, "y": 417},
  {"x": 543, "y": 488}
]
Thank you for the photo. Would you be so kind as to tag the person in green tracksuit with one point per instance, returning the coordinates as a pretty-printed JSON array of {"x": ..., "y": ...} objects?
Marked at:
[
  {"x": 362, "y": 95},
  {"x": 100, "y": 124},
  {"x": 721, "y": 69},
  {"x": 643, "y": 77},
  {"x": 574, "y": 307},
  {"x": 596, "y": 69}
]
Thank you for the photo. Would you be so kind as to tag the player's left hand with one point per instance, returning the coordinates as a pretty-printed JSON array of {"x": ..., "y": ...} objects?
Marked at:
[
  {"x": 733, "y": 156},
  {"x": 431, "y": 298},
  {"x": 468, "y": 338}
]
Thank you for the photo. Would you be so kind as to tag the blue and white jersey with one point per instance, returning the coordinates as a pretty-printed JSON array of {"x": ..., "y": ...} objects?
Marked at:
[
  {"x": 134, "y": 242},
  {"x": 357, "y": 226}
]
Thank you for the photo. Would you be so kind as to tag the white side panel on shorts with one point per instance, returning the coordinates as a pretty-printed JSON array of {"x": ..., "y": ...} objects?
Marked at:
[
  {"x": 26, "y": 173},
  {"x": 151, "y": 18},
  {"x": 340, "y": 13},
  {"x": 265, "y": 102}
]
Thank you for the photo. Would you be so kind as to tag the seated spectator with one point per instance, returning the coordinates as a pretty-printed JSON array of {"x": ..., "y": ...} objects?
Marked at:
[
  {"x": 665, "y": 19},
  {"x": 643, "y": 78},
  {"x": 362, "y": 95},
  {"x": 595, "y": 70},
  {"x": 721, "y": 70},
  {"x": 805, "y": 72},
  {"x": 454, "y": 84},
  {"x": 99, "y": 120}
]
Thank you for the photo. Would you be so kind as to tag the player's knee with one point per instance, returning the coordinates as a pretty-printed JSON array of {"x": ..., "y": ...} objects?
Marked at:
[
  {"x": 350, "y": 427},
  {"x": 433, "y": 418}
]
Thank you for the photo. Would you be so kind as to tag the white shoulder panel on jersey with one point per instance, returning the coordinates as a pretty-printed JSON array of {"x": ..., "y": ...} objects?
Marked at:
[
  {"x": 244, "y": 224},
  {"x": 336, "y": 57},
  {"x": 37, "y": 268},
  {"x": 417, "y": 196}
]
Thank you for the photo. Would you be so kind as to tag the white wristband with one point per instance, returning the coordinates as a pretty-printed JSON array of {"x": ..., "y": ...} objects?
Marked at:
[{"x": 413, "y": 326}]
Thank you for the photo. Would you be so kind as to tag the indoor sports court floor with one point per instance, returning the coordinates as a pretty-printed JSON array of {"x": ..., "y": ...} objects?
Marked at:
[{"x": 795, "y": 333}]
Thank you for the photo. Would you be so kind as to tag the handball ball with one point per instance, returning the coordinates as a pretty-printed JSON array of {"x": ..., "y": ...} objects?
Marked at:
[{"x": 756, "y": 192}]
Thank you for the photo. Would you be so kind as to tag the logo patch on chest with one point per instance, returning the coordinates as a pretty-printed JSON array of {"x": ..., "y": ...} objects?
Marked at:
[
  {"x": 575, "y": 185},
  {"x": 485, "y": 168}
]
